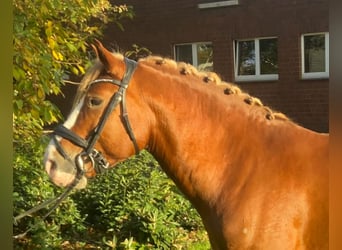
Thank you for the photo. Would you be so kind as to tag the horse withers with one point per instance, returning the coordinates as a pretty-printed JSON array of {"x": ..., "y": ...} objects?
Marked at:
[{"x": 257, "y": 179}]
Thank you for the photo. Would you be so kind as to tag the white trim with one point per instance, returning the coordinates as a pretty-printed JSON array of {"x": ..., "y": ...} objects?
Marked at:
[
  {"x": 327, "y": 53},
  {"x": 194, "y": 55},
  {"x": 217, "y": 4},
  {"x": 236, "y": 56},
  {"x": 257, "y": 77},
  {"x": 316, "y": 75},
  {"x": 257, "y": 57}
]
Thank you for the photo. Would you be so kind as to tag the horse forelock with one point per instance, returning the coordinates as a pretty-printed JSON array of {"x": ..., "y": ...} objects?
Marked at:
[
  {"x": 91, "y": 74},
  {"x": 185, "y": 69}
]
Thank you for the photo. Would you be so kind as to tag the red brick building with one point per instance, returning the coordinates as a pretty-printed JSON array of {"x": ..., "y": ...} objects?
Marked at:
[{"x": 274, "y": 50}]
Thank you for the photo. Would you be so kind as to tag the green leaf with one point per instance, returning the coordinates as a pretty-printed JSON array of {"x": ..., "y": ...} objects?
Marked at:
[
  {"x": 19, "y": 104},
  {"x": 71, "y": 47},
  {"x": 18, "y": 73}
]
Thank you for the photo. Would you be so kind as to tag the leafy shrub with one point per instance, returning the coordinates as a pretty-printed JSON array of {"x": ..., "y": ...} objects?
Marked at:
[
  {"x": 134, "y": 206},
  {"x": 31, "y": 186},
  {"x": 137, "y": 204}
]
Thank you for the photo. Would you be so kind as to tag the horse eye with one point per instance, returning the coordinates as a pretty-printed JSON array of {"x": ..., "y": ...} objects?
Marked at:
[{"x": 94, "y": 101}]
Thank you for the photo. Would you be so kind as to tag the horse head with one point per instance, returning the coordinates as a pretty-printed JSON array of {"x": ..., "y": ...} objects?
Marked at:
[{"x": 98, "y": 133}]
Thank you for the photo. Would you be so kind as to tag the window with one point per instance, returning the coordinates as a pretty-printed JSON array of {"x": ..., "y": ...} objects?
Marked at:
[
  {"x": 256, "y": 59},
  {"x": 199, "y": 55},
  {"x": 315, "y": 55}
]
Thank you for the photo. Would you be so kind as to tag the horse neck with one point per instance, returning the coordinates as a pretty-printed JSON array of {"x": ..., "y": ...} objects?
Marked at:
[{"x": 189, "y": 137}]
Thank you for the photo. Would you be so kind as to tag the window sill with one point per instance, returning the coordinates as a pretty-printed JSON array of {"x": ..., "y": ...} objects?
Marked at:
[
  {"x": 316, "y": 75},
  {"x": 217, "y": 4},
  {"x": 260, "y": 78}
]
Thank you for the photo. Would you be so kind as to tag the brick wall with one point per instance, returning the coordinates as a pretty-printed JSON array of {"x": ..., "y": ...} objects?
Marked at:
[{"x": 159, "y": 24}]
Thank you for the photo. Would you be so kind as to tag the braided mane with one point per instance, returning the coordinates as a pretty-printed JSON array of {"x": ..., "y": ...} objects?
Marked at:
[
  {"x": 212, "y": 79},
  {"x": 183, "y": 69}
]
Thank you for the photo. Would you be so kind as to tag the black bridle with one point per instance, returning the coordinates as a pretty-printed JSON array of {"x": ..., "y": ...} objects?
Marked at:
[
  {"x": 99, "y": 163},
  {"x": 89, "y": 153}
]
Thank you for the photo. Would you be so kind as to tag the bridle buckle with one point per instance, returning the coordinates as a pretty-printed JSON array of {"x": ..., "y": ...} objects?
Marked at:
[{"x": 99, "y": 162}]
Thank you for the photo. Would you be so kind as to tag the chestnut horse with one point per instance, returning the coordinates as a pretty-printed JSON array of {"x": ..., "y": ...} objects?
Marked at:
[{"x": 257, "y": 179}]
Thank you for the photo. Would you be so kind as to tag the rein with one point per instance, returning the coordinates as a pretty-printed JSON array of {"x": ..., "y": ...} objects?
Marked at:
[{"x": 99, "y": 162}]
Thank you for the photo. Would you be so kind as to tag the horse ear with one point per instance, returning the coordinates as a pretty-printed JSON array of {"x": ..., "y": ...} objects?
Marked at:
[{"x": 110, "y": 62}]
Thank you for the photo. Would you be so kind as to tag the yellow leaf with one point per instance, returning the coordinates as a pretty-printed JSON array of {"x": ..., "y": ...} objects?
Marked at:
[
  {"x": 54, "y": 54},
  {"x": 48, "y": 28},
  {"x": 52, "y": 42},
  {"x": 49, "y": 24},
  {"x": 81, "y": 69},
  {"x": 57, "y": 55},
  {"x": 60, "y": 56},
  {"x": 40, "y": 94},
  {"x": 74, "y": 70}
]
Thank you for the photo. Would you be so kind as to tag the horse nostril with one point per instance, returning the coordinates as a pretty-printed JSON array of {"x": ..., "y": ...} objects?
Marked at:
[{"x": 51, "y": 166}]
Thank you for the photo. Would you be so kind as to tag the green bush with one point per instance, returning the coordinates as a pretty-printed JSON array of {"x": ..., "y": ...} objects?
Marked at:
[
  {"x": 31, "y": 187},
  {"x": 134, "y": 206},
  {"x": 137, "y": 204}
]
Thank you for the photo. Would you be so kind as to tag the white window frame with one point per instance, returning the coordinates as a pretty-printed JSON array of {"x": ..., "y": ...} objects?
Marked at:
[
  {"x": 193, "y": 51},
  {"x": 258, "y": 76},
  {"x": 316, "y": 75}
]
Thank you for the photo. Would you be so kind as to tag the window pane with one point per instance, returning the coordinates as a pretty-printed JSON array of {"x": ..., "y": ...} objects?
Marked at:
[
  {"x": 268, "y": 56},
  {"x": 246, "y": 60},
  {"x": 314, "y": 53},
  {"x": 205, "y": 57},
  {"x": 184, "y": 53}
]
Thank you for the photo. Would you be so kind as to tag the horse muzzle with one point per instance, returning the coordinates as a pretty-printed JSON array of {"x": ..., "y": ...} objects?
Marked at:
[{"x": 61, "y": 171}]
